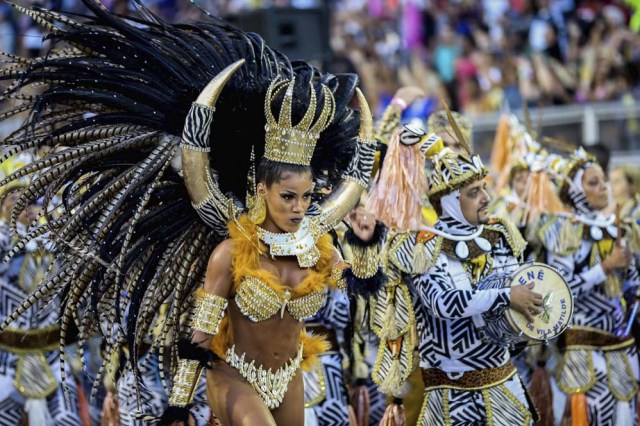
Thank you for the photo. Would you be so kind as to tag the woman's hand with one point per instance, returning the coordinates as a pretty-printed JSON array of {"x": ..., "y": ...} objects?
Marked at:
[
  {"x": 201, "y": 339},
  {"x": 525, "y": 301},
  {"x": 363, "y": 223},
  {"x": 619, "y": 258}
]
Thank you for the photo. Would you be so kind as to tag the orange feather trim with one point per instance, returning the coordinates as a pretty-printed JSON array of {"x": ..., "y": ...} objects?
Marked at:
[
  {"x": 246, "y": 262},
  {"x": 312, "y": 347}
]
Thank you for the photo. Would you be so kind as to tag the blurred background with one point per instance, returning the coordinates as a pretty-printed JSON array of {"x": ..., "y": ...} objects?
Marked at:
[{"x": 574, "y": 63}]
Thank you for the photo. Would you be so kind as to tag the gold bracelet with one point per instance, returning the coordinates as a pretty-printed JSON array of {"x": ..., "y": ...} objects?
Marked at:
[
  {"x": 184, "y": 382},
  {"x": 365, "y": 261},
  {"x": 209, "y": 310},
  {"x": 337, "y": 275}
]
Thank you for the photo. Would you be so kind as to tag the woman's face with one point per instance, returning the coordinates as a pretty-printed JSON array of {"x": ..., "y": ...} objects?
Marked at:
[
  {"x": 287, "y": 201},
  {"x": 595, "y": 187},
  {"x": 620, "y": 186},
  {"x": 519, "y": 183}
]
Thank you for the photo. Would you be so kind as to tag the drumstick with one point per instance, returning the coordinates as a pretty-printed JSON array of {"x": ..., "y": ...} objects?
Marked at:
[
  {"x": 631, "y": 319},
  {"x": 618, "y": 225}
]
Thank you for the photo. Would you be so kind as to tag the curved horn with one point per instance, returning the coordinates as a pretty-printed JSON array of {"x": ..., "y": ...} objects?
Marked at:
[
  {"x": 366, "y": 120},
  {"x": 356, "y": 179},
  {"x": 195, "y": 142}
]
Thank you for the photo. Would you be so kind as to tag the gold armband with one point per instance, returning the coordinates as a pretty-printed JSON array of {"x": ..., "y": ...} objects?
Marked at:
[
  {"x": 337, "y": 275},
  {"x": 366, "y": 260},
  {"x": 209, "y": 310},
  {"x": 184, "y": 382}
]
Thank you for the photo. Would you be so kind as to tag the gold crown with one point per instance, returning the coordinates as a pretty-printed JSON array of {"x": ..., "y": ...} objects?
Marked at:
[{"x": 285, "y": 142}]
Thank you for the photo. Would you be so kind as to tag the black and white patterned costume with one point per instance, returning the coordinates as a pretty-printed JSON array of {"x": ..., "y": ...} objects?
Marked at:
[
  {"x": 606, "y": 366},
  {"x": 36, "y": 371},
  {"x": 325, "y": 390},
  {"x": 432, "y": 284},
  {"x": 449, "y": 314}
]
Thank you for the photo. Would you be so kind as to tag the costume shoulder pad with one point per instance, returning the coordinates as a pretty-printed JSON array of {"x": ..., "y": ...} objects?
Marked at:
[
  {"x": 560, "y": 234},
  {"x": 413, "y": 252},
  {"x": 509, "y": 232}
]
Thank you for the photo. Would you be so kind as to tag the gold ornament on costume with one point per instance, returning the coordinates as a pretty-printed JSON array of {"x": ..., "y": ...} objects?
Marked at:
[
  {"x": 291, "y": 144},
  {"x": 208, "y": 312},
  {"x": 258, "y": 211},
  {"x": 270, "y": 386},
  {"x": 301, "y": 243},
  {"x": 184, "y": 381}
]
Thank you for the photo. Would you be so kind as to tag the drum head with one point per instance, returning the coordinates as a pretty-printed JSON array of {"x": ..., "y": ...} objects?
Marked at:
[{"x": 557, "y": 305}]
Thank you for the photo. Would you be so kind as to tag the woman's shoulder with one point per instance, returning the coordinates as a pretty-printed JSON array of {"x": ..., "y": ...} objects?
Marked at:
[{"x": 223, "y": 253}]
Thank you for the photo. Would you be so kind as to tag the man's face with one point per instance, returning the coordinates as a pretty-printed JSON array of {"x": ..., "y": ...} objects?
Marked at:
[{"x": 474, "y": 202}]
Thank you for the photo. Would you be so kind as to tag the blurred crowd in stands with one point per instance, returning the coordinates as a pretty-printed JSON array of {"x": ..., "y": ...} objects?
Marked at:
[{"x": 479, "y": 55}]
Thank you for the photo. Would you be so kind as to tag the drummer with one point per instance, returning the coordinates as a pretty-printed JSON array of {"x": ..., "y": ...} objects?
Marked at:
[
  {"x": 596, "y": 380},
  {"x": 467, "y": 380}
]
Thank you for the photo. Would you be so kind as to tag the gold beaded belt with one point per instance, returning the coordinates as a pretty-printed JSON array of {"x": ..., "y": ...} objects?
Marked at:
[
  {"x": 328, "y": 334},
  {"x": 578, "y": 337},
  {"x": 434, "y": 378},
  {"x": 33, "y": 340},
  {"x": 271, "y": 387}
]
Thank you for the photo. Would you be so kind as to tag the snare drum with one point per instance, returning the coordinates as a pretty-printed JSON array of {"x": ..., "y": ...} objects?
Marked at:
[{"x": 512, "y": 327}]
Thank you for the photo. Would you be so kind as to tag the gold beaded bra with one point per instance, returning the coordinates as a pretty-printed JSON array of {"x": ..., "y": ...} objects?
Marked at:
[
  {"x": 259, "y": 300},
  {"x": 260, "y": 295}
]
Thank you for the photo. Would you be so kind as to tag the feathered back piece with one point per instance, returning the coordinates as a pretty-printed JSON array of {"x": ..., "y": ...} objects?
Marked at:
[{"x": 110, "y": 97}]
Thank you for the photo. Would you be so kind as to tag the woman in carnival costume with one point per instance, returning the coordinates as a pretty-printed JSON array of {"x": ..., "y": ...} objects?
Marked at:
[
  {"x": 149, "y": 216},
  {"x": 596, "y": 378}
]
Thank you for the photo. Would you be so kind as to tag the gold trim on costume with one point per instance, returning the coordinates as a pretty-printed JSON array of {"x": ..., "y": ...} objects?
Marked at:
[
  {"x": 184, "y": 382},
  {"x": 487, "y": 405},
  {"x": 208, "y": 312},
  {"x": 30, "y": 341},
  {"x": 592, "y": 372},
  {"x": 614, "y": 391},
  {"x": 301, "y": 243},
  {"x": 44, "y": 385},
  {"x": 366, "y": 261},
  {"x": 271, "y": 387},
  {"x": 291, "y": 144},
  {"x": 318, "y": 375},
  {"x": 337, "y": 275},
  {"x": 521, "y": 407}
]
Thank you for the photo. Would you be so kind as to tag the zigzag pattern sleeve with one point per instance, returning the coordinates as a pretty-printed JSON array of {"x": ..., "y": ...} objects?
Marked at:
[
  {"x": 335, "y": 313},
  {"x": 581, "y": 280},
  {"x": 441, "y": 299}
]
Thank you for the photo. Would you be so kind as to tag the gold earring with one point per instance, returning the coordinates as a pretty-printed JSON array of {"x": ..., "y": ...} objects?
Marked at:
[{"x": 258, "y": 212}]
